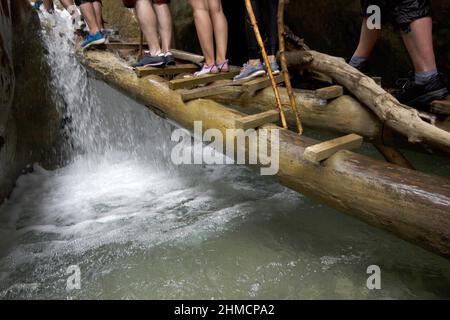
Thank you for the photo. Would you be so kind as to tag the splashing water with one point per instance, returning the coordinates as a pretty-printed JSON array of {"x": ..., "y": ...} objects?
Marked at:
[{"x": 139, "y": 227}]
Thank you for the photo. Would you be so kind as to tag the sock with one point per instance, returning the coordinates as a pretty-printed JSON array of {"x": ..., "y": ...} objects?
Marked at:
[
  {"x": 423, "y": 77},
  {"x": 356, "y": 61}
]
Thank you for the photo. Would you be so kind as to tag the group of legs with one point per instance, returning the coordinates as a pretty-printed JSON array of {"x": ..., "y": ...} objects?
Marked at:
[{"x": 91, "y": 11}]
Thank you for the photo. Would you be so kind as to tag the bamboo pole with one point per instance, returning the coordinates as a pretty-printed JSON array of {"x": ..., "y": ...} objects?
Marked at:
[
  {"x": 284, "y": 67},
  {"x": 254, "y": 23}
]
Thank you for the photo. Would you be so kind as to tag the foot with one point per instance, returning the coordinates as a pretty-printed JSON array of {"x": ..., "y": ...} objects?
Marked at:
[
  {"x": 37, "y": 4},
  {"x": 275, "y": 68},
  {"x": 207, "y": 69},
  {"x": 250, "y": 71},
  {"x": 170, "y": 59},
  {"x": 151, "y": 61},
  {"x": 93, "y": 39},
  {"x": 420, "y": 96},
  {"x": 223, "y": 67},
  {"x": 363, "y": 67}
]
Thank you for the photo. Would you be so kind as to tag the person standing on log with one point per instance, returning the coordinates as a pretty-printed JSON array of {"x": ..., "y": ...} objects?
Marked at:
[
  {"x": 266, "y": 13},
  {"x": 212, "y": 27},
  {"x": 415, "y": 23},
  {"x": 155, "y": 20}
]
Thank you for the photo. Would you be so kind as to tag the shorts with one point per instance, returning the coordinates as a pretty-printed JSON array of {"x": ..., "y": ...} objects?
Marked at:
[
  {"x": 132, "y": 3},
  {"x": 400, "y": 12},
  {"x": 80, "y": 2}
]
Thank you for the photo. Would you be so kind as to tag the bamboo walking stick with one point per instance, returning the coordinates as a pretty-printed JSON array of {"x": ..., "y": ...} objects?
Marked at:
[
  {"x": 284, "y": 68},
  {"x": 266, "y": 61}
]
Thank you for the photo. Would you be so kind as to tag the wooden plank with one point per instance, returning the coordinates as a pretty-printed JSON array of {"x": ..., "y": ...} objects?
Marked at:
[
  {"x": 169, "y": 70},
  {"x": 192, "y": 82},
  {"x": 187, "y": 56},
  {"x": 208, "y": 91},
  {"x": 441, "y": 107},
  {"x": 330, "y": 92},
  {"x": 324, "y": 150},
  {"x": 257, "y": 120},
  {"x": 260, "y": 83}
]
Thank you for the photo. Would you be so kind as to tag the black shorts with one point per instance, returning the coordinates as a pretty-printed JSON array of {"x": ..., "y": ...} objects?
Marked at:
[
  {"x": 80, "y": 2},
  {"x": 400, "y": 12}
]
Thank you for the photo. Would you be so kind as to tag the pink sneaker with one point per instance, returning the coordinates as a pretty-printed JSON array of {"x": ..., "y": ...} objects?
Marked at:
[
  {"x": 223, "y": 67},
  {"x": 207, "y": 70}
]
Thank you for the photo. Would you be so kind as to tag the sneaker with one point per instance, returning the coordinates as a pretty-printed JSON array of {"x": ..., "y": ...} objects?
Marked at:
[
  {"x": 251, "y": 71},
  {"x": 207, "y": 70},
  {"x": 170, "y": 59},
  {"x": 151, "y": 61},
  {"x": 363, "y": 67},
  {"x": 38, "y": 4},
  {"x": 420, "y": 96},
  {"x": 274, "y": 66},
  {"x": 223, "y": 67},
  {"x": 93, "y": 39}
]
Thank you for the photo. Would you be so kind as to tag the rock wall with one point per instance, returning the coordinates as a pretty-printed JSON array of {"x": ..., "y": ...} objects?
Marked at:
[{"x": 29, "y": 120}]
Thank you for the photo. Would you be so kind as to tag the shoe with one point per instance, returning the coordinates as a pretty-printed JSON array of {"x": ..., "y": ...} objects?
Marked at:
[
  {"x": 250, "y": 71},
  {"x": 211, "y": 69},
  {"x": 151, "y": 61},
  {"x": 170, "y": 59},
  {"x": 37, "y": 4},
  {"x": 363, "y": 67},
  {"x": 94, "y": 39},
  {"x": 223, "y": 67},
  {"x": 275, "y": 68},
  {"x": 420, "y": 96}
]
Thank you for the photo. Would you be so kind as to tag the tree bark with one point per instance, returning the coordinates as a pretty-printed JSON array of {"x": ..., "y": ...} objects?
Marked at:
[{"x": 393, "y": 114}]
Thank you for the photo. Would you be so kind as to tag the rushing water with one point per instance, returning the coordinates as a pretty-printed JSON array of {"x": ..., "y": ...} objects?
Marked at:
[{"x": 139, "y": 227}]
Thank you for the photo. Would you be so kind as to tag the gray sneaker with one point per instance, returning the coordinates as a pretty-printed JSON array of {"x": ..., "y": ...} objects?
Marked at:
[
  {"x": 249, "y": 72},
  {"x": 275, "y": 68}
]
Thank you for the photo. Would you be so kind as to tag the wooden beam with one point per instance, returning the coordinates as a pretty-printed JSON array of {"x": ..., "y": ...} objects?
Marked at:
[
  {"x": 208, "y": 91},
  {"x": 260, "y": 83},
  {"x": 169, "y": 70},
  {"x": 187, "y": 56},
  {"x": 331, "y": 92},
  {"x": 257, "y": 120},
  {"x": 441, "y": 107},
  {"x": 192, "y": 82},
  {"x": 324, "y": 150}
]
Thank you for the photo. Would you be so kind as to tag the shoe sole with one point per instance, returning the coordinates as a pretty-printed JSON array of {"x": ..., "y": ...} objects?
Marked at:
[
  {"x": 253, "y": 75},
  {"x": 426, "y": 99},
  {"x": 93, "y": 43}
]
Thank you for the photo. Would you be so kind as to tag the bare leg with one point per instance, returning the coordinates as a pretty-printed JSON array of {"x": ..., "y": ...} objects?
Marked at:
[
  {"x": 98, "y": 14},
  {"x": 419, "y": 43},
  {"x": 367, "y": 41},
  {"x": 67, "y": 3},
  {"x": 164, "y": 25},
  {"x": 149, "y": 26},
  {"x": 220, "y": 25},
  {"x": 204, "y": 28},
  {"x": 48, "y": 5},
  {"x": 88, "y": 12}
]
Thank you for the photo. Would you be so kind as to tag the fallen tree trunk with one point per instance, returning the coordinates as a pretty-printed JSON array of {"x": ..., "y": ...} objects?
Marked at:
[
  {"x": 393, "y": 114},
  {"x": 412, "y": 205}
]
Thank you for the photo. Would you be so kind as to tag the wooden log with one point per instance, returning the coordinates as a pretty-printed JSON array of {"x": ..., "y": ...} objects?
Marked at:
[
  {"x": 331, "y": 92},
  {"x": 187, "y": 56},
  {"x": 169, "y": 70},
  {"x": 399, "y": 117},
  {"x": 394, "y": 156},
  {"x": 260, "y": 83},
  {"x": 208, "y": 91},
  {"x": 324, "y": 150},
  {"x": 257, "y": 120},
  {"x": 192, "y": 81},
  {"x": 384, "y": 195},
  {"x": 441, "y": 107}
]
